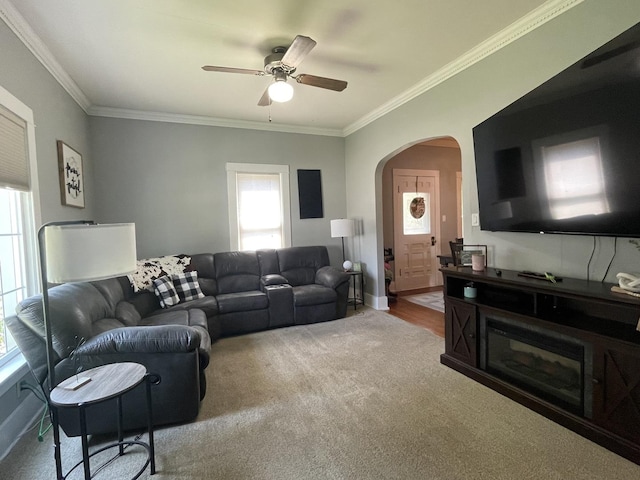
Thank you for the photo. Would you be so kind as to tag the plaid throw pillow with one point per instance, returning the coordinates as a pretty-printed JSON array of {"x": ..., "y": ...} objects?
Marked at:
[
  {"x": 165, "y": 291},
  {"x": 187, "y": 286}
]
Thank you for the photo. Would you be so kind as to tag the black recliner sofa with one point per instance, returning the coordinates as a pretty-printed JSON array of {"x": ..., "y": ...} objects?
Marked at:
[{"x": 106, "y": 321}]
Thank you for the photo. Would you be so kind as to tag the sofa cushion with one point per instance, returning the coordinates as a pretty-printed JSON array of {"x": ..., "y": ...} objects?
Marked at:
[
  {"x": 194, "y": 318},
  {"x": 203, "y": 264},
  {"x": 127, "y": 314},
  {"x": 73, "y": 308},
  {"x": 242, "y": 301},
  {"x": 165, "y": 291},
  {"x": 112, "y": 290},
  {"x": 209, "y": 305},
  {"x": 188, "y": 318},
  {"x": 144, "y": 302},
  {"x": 313, "y": 295},
  {"x": 237, "y": 272},
  {"x": 299, "y": 264},
  {"x": 187, "y": 286}
]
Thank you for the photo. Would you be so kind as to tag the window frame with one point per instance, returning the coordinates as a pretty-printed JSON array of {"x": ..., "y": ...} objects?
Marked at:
[
  {"x": 256, "y": 168},
  {"x": 30, "y": 216}
]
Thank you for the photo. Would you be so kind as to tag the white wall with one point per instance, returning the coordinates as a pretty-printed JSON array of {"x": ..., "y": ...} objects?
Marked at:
[
  {"x": 453, "y": 108},
  {"x": 170, "y": 180}
]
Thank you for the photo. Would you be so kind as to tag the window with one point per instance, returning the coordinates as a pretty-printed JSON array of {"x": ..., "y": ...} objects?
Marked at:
[
  {"x": 259, "y": 212},
  {"x": 574, "y": 179},
  {"x": 18, "y": 213}
]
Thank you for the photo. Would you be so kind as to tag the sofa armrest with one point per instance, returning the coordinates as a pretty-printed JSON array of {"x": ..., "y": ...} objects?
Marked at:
[
  {"x": 331, "y": 277},
  {"x": 151, "y": 339}
]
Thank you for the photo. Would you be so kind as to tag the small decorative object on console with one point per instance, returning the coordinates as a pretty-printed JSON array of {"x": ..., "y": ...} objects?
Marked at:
[
  {"x": 347, "y": 265},
  {"x": 470, "y": 290}
]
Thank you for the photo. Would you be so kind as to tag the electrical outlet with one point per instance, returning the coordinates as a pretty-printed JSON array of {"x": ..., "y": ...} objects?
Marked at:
[{"x": 475, "y": 220}]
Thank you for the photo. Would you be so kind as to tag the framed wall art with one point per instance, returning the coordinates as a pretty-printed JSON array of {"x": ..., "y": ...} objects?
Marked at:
[
  {"x": 469, "y": 250},
  {"x": 71, "y": 176}
]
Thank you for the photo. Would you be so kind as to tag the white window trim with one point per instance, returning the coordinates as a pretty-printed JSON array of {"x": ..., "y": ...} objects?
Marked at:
[
  {"x": 13, "y": 362},
  {"x": 232, "y": 170}
]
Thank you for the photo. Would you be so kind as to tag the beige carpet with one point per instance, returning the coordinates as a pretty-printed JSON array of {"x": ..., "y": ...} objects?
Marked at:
[{"x": 359, "y": 398}]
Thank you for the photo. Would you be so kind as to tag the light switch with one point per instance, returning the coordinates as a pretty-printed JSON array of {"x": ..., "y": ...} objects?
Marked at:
[{"x": 475, "y": 220}]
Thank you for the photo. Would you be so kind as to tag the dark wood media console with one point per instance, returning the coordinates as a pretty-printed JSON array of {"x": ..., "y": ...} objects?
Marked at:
[{"x": 568, "y": 350}]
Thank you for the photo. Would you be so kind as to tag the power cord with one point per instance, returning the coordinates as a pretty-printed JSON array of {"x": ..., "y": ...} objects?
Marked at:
[
  {"x": 42, "y": 430},
  {"x": 615, "y": 250},
  {"x": 593, "y": 251}
]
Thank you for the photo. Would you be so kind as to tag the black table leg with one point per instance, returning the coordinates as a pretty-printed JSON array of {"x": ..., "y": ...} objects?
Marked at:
[
  {"x": 85, "y": 443},
  {"x": 56, "y": 441},
  {"x": 152, "y": 452}
]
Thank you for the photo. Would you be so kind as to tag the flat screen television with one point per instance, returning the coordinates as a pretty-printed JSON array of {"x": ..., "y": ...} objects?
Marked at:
[{"x": 565, "y": 158}]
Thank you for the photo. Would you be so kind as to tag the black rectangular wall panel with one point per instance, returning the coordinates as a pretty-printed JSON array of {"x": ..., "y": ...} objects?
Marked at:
[{"x": 310, "y": 193}]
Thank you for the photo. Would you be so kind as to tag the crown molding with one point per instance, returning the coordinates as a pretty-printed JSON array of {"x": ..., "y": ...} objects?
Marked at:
[
  {"x": 526, "y": 24},
  {"x": 533, "y": 20},
  {"x": 208, "y": 121},
  {"x": 30, "y": 39}
]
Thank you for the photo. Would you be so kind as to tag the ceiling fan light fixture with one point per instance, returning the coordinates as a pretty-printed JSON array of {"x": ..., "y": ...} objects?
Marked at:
[{"x": 280, "y": 90}]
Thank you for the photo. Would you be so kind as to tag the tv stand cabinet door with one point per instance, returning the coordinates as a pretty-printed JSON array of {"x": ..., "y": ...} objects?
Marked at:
[
  {"x": 616, "y": 389},
  {"x": 461, "y": 340}
]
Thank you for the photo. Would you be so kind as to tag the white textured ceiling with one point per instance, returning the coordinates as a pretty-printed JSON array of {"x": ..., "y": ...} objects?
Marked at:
[{"x": 144, "y": 57}]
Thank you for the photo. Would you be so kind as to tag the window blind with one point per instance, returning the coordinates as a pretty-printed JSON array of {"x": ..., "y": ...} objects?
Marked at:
[
  {"x": 14, "y": 164},
  {"x": 259, "y": 211}
]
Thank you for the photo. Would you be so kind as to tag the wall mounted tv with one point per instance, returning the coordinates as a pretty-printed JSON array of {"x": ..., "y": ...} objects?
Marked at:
[{"x": 565, "y": 158}]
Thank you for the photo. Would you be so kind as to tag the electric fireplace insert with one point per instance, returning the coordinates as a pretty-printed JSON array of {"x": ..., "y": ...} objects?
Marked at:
[{"x": 554, "y": 367}]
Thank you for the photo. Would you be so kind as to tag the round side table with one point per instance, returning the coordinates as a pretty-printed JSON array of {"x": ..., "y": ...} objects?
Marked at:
[{"x": 106, "y": 382}]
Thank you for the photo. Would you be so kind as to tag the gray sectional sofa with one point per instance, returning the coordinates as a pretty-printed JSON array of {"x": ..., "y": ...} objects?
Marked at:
[{"x": 106, "y": 321}]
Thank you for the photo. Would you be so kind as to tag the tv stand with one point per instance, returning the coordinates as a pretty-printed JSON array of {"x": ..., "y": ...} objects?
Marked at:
[{"x": 568, "y": 350}]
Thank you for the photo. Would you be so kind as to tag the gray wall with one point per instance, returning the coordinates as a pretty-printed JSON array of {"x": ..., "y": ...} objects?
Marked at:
[
  {"x": 453, "y": 108},
  {"x": 57, "y": 117},
  {"x": 170, "y": 179}
]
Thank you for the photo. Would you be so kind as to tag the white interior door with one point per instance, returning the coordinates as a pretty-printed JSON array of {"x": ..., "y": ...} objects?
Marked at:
[{"x": 416, "y": 228}]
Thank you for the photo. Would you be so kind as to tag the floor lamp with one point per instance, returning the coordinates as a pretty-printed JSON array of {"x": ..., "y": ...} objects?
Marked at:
[
  {"x": 342, "y": 227},
  {"x": 77, "y": 251}
]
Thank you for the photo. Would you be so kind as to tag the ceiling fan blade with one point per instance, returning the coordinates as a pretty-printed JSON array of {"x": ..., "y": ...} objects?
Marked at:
[
  {"x": 322, "y": 82},
  {"x": 299, "y": 48},
  {"x": 265, "y": 100},
  {"x": 213, "y": 68}
]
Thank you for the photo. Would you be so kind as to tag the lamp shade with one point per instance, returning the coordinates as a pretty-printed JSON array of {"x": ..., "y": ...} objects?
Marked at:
[
  {"x": 89, "y": 252},
  {"x": 342, "y": 227}
]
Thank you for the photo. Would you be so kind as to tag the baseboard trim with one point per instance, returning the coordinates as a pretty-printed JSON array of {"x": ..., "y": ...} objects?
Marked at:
[
  {"x": 379, "y": 303},
  {"x": 17, "y": 424}
]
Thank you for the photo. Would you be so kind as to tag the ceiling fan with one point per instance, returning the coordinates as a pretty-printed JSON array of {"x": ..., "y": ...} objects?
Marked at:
[{"x": 282, "y": 63}]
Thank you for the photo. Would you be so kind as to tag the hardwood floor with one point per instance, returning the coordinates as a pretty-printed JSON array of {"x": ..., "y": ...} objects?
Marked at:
[{"x": 424, "y": 317}]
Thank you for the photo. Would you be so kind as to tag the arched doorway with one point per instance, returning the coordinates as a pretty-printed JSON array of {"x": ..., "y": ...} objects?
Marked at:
[{"x": 433, "y": 169}]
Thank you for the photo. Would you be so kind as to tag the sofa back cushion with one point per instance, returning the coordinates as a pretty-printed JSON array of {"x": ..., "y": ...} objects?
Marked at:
[
  {"x": 203, "y": 263},
  {"x": 300, "y": 264},
  {"x": 237, "y": 271},
  {"x": 75, "y": 310},
  {"x": 268, "y": 260},
  {"x": 113, "y": 290}
]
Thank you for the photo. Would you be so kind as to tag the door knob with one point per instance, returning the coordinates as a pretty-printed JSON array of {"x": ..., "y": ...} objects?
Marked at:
[{"x": 433, "y": 240}]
